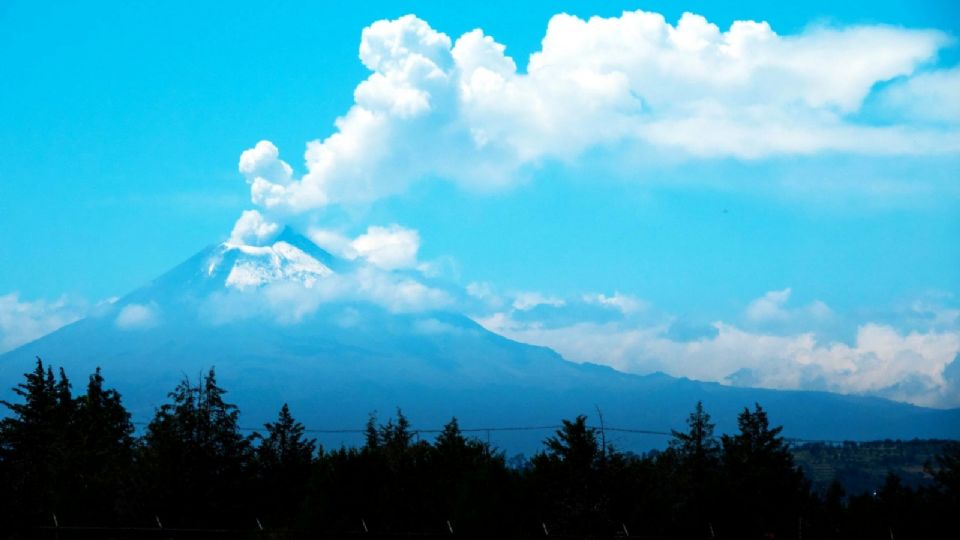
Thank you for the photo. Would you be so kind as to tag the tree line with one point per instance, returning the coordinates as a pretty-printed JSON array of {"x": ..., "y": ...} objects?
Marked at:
[{"x": 75, "y": 460}]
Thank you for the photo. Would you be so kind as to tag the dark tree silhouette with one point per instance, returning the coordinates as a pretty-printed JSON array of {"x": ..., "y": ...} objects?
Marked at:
[
  {"x": 64, "y": 456},
  {"x": 35, "y": 446},
  {"x": 569, "y": 473},
  {"x": 695, "y": 475},
  {"x": 196, "y": 458},
  {"x": 767, "y": 492},
  {"x": 371, "y": 434},
  {"x": 103, "y": 461},
  {"x": 284, "y": 461},
  {"x": 698, "y": 445},
  {"x": 75, "y": 457}
]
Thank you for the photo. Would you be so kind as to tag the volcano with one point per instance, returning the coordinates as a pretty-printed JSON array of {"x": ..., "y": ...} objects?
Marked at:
[{"x": 339, "y": 340}]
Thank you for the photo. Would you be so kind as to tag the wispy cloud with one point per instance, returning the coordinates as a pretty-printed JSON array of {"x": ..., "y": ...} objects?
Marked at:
[
  {"x": 138, "y": 317},
  {"x": 22, "y": 321}
]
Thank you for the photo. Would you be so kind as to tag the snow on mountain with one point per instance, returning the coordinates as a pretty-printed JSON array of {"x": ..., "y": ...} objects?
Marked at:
[
  {"x": 289, "y": 258},
  {"x": 365, "y": 339},
  {"x": 268, "y": 264}
]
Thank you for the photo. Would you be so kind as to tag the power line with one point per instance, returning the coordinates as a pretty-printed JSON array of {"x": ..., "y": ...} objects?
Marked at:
[
  {"x": 501, "y": 429},
  {"x": 462, "y": 430}
]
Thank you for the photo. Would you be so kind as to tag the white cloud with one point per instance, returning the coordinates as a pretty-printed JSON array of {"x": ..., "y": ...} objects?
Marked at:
[
  {"x": 930, "y": 97},
  {"x": 253, "y": 229},
  {"x": 769, "y": 306},
  {"x": 391, "y": 248},
  {"x": 388, "y": 247},
  {"x": 879, "y": 362},
  {"x": 481, "y": 290},
  {"x": 22, "y": 321},
  {"x": 525, "y": 301},
  {"x": 262, "y": 163},
  {"x": 936, "y": 314},
  {"x": 287, "y": 284},
  {"x": 434, "y": 327},
  {"x": 137, "y": 317},
  {"x": 460, "y": 110},
  {"x": 333, "y": 241},
  {"x": 289, "y": 301},
  {"x": 626, "y": 304},
  {"x": 486, "y": 293},
  {"x": 772, "y": 308},
  {"x": 399, "y": 294}
]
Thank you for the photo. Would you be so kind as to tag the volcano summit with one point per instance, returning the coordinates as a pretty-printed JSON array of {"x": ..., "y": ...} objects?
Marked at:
[{"x": 338, "y": 339}]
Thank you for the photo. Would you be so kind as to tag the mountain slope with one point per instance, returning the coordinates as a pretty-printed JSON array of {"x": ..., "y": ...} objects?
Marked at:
[{"x": 341, "y": 355}]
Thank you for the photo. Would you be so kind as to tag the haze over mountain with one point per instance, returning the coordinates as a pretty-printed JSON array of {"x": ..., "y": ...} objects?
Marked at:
[
  {"x": 755, "y": 197},
  {"x": 287, "y": 321}
]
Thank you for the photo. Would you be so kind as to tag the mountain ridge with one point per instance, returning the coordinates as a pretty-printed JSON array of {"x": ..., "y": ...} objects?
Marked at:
[{"x": 347, "y": 356}]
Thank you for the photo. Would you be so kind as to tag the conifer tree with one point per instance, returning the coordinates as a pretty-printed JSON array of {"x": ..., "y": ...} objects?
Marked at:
[
  {"x": 451, "y": 440},
  {"x": 285, "y": 446},
  {"x": 569, "y": 474},
  {"x": 104, "y": 458},
  {"x": 34, "y": 445},
  {"x": 284, "y": 460},
  {"x": 396, "y": 437},
  {"x": 371, "y": 434},
  {"x": 697, "y": 445},
  {"x": 197, "y": 458},
  {"x": 767, "y": 489},
  {"x": 575, "y": 445},
  {"x": 697, "y": 460}
]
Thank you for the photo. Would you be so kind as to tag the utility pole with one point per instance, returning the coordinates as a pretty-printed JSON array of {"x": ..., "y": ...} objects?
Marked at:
[{"x": 603, "y": 435}]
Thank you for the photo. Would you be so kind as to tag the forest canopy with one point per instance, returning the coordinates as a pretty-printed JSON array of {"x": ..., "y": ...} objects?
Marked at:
[{"x": 73, "y": 459}]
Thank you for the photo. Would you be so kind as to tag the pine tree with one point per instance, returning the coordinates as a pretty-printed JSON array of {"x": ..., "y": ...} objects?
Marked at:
[
  {"x": 285, "y": 446},
  {"x": 768, "y": 490},
  {"x": 450, "y": 442},
  {"x": 396, "y": 437},
  {"x": 371, "y": 434},
  {"x": 469, "y": 480},
  {"x": 757, "y": 443},
  {"x": 697, "y": 445},
  {"x": 694, "y": 475},
  {"x": 284, "y": 460},
  {"x": 575, "y": 445},
  {"x": 197, "y": 471},
  {"x": 34, "y": 445},
  {"x": 104, "y": 460},
  {"x": 570, "y": 474}
]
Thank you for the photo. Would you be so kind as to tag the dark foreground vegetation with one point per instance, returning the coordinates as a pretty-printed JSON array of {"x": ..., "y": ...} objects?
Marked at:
[
  {"x": 863, "y": 466},
  {"x": 71, "y": 467}
]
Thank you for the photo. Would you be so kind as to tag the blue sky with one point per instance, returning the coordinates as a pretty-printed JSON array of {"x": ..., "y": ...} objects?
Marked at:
[{"x": 121, "y": 127}]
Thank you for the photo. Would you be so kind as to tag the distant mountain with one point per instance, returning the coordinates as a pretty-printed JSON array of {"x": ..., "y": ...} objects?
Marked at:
[{"x": 344, "y": 356}]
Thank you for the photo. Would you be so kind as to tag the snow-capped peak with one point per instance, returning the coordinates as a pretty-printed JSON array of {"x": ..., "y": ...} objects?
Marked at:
[{"x": 246, "y": 266}]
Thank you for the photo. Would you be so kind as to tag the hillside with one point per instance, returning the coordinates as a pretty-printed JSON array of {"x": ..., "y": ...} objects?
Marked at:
[{"x": 347, "y": 356}]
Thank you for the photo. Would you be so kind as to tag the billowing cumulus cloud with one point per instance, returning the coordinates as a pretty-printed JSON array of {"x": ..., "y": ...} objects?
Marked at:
[
  {"x": 253, "y": 229},
  {"x": 390, "y": 248},
  {"x": 462, "y": 111},
  {"x": 915, "y": 366}
]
